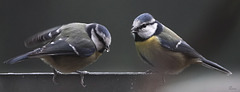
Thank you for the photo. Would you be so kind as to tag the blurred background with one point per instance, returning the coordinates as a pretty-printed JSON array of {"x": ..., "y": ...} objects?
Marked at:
[{"x": 212, "y": 27}]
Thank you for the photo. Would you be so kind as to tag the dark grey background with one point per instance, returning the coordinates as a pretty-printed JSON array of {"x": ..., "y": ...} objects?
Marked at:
[{"x": 212, "y": 27}]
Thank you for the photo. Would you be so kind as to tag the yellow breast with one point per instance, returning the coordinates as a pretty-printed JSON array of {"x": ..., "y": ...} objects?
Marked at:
[
  {"x": 145, "y": 46},
  {"x": 149, "y": 47},
  {"x": 172, "y": 62},
  {"x": 151, "y": 40}
]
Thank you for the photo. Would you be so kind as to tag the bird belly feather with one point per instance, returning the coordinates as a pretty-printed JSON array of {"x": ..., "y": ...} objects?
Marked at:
[
  {"x": 67, "y": 64},
  {"x": 163, "y": 59}
]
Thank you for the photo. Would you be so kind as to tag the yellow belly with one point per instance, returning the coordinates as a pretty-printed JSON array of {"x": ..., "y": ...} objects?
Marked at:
[
  {"x": 67, "y": 64},
  {"x": 163, "y": 59}
]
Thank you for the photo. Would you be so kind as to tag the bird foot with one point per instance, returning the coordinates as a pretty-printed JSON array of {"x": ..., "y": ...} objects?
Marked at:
[
  {"x": 82, "y": 73},
  {"x": 149, "y": 71},
  {"x": 55, "y": 74}
]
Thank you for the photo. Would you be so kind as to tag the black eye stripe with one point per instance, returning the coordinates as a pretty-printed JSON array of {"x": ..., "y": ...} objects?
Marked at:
[
  {"x": 145, "y": 25},
  {"x": 100, "y": 38}
]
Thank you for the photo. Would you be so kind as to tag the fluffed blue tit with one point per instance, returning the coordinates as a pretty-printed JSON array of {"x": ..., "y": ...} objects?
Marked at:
[
  {"x": 163, "y": 49},
  {"x": 68, "y": 48}
]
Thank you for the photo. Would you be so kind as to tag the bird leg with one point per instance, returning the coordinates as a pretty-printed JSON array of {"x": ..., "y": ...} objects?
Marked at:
[
  {"x": 149, "y": 71},
  {"x": 82, "y": 73},
  {"x": 55, "y": 74}
]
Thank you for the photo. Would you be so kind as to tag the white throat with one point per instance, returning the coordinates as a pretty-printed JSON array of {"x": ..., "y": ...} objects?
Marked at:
[{"x": 99, "y": 45}]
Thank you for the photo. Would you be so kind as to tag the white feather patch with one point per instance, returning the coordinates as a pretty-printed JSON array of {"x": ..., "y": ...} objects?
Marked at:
[
  {"x": 74, "y": 49},
  {"x": 58, "y": 31},
  {"x": 148, "y": 31},
  {"x": 96, "y": 41},
  {"x": 152, "y": 20},
  {"x": 50, "y": 34},
  {"x": 136, "y": 23},
  {"x": 60, "y": 39},
  {"x": 178, "y": 43}
]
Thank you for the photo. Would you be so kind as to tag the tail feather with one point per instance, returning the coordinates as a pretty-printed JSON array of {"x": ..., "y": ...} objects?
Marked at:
[
  {"x": 20, "y": 57},
  {"x": 212, "y": 65},
  {"x": 17, "y": 59}
]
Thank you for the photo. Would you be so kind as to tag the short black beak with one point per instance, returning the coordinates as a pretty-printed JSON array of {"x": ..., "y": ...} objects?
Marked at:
[
  {"x": 107, "y": 48},
  {"x": 134, "y": 29}
]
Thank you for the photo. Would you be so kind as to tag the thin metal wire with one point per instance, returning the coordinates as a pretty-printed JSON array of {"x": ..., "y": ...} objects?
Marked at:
[{"x": 85, "y": 73}]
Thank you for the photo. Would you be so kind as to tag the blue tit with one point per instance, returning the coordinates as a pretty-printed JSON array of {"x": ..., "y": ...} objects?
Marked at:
[
  {"x": 160, "y": 47},
  {"x": 68, "y": 48}
]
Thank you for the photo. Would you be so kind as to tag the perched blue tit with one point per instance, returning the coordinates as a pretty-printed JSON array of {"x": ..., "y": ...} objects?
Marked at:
[
  {"x": 160, "y": 47},
  {"x": 68, "y": 48}
]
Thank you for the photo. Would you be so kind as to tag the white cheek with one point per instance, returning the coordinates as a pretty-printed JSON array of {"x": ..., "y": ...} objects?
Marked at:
[
  {"x": 95, "y": 40},
  {"x": 148, "y": 31}
]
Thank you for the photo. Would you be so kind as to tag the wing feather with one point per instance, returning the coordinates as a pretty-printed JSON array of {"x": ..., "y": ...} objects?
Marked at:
[
  {"x": 61, "y": 47},
  {"x": 173, "y": 42},
  {"x": 42, "y": 37}
]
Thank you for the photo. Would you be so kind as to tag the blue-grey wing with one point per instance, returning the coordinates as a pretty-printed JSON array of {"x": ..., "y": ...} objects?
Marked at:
[
  {"x": 42, "y": 37},
  {"x": 59, "y": 47},
  {"x": 62, "y": 47},
  {"x": 180, "y": 46}
]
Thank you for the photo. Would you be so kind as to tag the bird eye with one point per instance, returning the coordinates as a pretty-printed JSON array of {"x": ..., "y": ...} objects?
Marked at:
[{"x": 144, "y": 25}]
